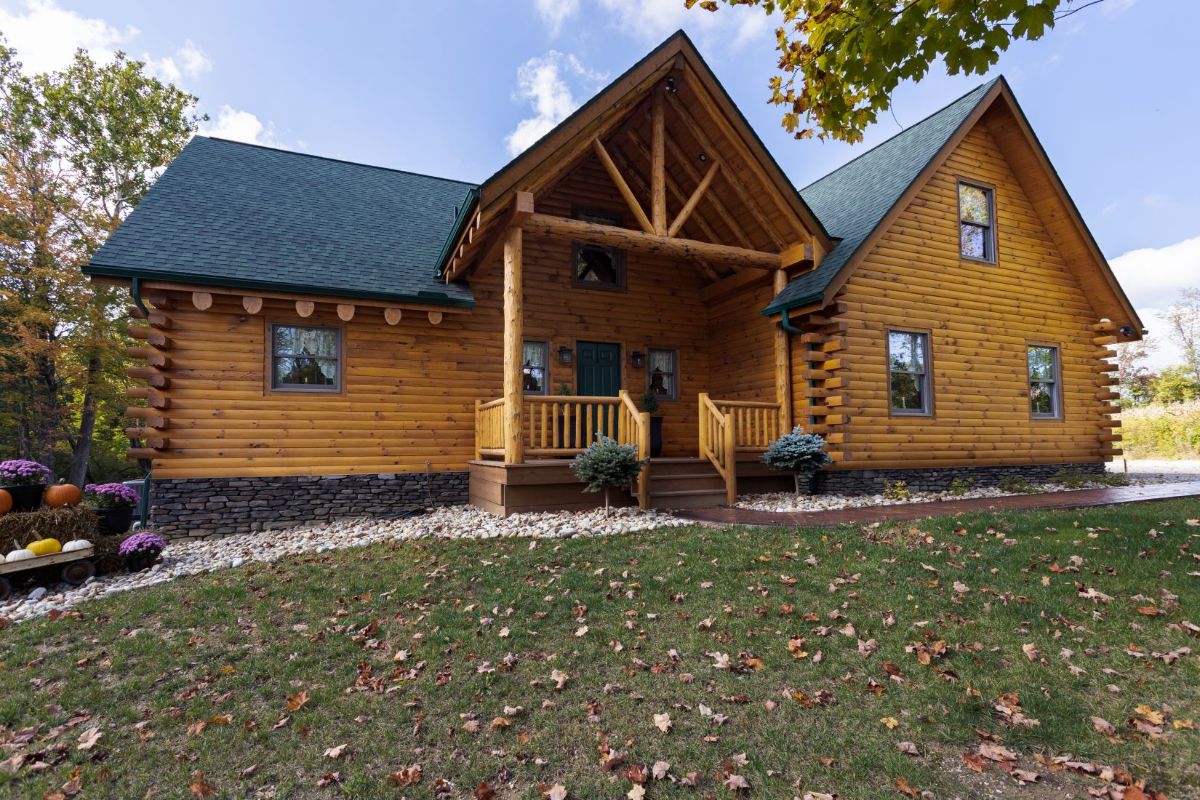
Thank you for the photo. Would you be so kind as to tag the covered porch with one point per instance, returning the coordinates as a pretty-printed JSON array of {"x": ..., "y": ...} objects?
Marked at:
[{"x": 650, "y": 221}]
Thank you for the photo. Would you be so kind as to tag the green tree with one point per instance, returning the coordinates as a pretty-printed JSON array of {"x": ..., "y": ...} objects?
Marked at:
[
  {"x": 840, "y": 60},
  {"x": 1175, "y": 385},
  {"x": 1133, "y": 376},
  {"x": 80, "y": 149},
  {"x": 1183, "y": 326},
  {"x": 605, "y": 465}
]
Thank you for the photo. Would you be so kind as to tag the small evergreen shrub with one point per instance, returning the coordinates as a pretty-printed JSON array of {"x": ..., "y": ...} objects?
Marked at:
[
  {"x": 797, "y": 452},
  {"x": 606, "y": 465},
  {"x": 960, "y": 486},
  {"x": 896, "y": 490}
]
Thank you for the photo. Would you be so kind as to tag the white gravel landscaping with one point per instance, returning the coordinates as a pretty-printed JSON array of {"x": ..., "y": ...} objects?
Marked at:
[
  {"x": 788, "y": 501},
  {"x": 183, "y": 558}
]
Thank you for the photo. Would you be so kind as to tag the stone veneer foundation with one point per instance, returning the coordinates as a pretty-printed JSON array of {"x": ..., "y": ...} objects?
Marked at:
[
  {"x": 873, "y": 481},
  {"x": 206, "y": 507}
]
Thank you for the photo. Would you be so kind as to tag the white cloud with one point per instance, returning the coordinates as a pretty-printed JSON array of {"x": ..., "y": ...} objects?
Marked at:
[
  {"x": 46, "y": 36},
  {"x": 653, "y": 20},
  {"x": 555, "y": 12},
  {"x": 240, "y": 126},
  {"x": 1115, "y": 7},
  {"x": 545, "y": 82},
  {"x": 1153, "y": 278},
  {"x": 188, "y": 61}
]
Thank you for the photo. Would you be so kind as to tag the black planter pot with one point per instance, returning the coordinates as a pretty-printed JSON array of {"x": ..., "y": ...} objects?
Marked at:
[
  {"x": 656, "y": 437},
  {"x": 26, "y": 498},
  {"x": 140, "y": 561},
  {"x": 115, "y": 520}
]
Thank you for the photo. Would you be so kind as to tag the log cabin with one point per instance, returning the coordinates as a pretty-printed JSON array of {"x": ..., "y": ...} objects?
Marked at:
[{"x": 320, "y": 338}]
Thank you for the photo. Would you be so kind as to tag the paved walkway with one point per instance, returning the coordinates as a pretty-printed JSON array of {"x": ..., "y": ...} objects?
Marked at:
[{"x": 1081, "y": 498}]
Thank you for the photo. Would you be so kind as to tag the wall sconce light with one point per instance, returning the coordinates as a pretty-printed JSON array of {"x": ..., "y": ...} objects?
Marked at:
[
  {"x": 638, "y": 359},
  {"x": 565, "y": 355}
]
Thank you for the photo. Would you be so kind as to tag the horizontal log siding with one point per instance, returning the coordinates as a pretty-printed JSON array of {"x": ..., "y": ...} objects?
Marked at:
[
  {"x": 980, "y": 317},
  {"x": 742, "y": 347}
]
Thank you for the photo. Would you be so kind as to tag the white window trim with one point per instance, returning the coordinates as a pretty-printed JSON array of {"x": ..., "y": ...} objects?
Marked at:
[
  {"x": 926, "y": 409},
  {"x": 545, "y": 345},
  {"x": 650, "y": 351}
]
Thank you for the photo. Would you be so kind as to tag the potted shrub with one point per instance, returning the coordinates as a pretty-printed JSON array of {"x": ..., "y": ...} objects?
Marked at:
[
  {"x": 141, "y": 550},
  {"x": 799, "y": 453},
  {"x": 650, "y": 404},
  {"x": 25, "y": 481},
  {"x": 113, "y": 503},
  {"x": 606, "y": 465}
]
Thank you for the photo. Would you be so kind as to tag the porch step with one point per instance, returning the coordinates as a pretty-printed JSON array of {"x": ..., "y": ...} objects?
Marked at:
[{"x": 685, "y": 483}]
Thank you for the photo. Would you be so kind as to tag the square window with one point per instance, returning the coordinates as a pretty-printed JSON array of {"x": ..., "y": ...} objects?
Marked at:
[
  {"x": 305, "y": 358},
  {"x": 1044, "y": 396},
  {"x": 533, "y": 367},
  {"x": 661, "y": 374},
  {"x": 908, "y": 372},
  {"x": 976, "y": 233}
]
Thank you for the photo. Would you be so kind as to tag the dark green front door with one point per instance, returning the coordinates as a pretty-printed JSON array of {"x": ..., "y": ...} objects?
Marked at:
[{"x": 598, "y": 374}]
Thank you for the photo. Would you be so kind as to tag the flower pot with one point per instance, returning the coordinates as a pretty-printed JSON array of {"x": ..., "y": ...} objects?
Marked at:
[
  {"x": 115, "y": 520},
  {"x": 136, "y": 562},
  {"x": 656, "y": 437},
  {"x": 26, "y": 498}
]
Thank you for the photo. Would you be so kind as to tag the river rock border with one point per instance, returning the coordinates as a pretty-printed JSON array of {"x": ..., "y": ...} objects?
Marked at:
[{"x": 200, "y": 508}]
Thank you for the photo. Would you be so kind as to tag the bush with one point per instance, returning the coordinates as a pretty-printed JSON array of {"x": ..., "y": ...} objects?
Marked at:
[
  {"x": 1159, "y": 430},
  {"x": 896, "y": 490},
  {"x": 1017, "y": 484},
  {"x": 797, "y": 452},
  {"x": 606, "y": 465},
  {"x": 960, "y": 486}
]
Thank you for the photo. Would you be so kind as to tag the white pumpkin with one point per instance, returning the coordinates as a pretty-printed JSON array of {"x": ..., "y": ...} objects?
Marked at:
[
  {"x": 19, "y": 555},
  {"x": 78, "y": 544}
]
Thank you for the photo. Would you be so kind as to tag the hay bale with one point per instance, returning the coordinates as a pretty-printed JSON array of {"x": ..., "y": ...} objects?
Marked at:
[{"x": 70, "y": 522}]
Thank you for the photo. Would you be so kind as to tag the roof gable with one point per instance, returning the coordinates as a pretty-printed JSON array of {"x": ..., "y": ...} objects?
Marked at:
[
  {"x": 703, "y": 123},
  {"x": 854, "y": 199},
  {"x": 857, "y": 200},
  {"x": 231, "y": 214}
]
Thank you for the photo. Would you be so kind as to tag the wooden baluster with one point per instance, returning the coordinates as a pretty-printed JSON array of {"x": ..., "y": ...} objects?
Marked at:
[{"x": 554, "y": 414}]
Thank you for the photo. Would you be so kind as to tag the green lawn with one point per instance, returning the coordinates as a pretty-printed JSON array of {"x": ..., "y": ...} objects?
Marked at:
[{"x": 446, "y": 656}]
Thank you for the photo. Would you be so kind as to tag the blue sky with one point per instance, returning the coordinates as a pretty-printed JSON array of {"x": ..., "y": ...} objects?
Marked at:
[{"x": 453, "y": 88}]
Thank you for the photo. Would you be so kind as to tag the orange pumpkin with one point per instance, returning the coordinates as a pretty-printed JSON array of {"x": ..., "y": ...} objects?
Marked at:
[
  {"x": 5, "y": 502},
  {"x": 62, "y": 494}
]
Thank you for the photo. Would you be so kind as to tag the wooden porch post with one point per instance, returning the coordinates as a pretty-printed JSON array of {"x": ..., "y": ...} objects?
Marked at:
[
  {"x": 783, "y": 364},
  {"x": 514, "y": 439}
]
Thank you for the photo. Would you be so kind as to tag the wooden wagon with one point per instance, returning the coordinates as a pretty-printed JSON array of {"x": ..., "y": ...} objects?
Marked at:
[{"x": 75, "y": 567}]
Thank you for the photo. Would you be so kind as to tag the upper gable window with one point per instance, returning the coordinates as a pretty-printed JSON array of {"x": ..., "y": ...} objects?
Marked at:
[
  {"x": 976, "y": 232},
  {"x": 595, "y": 266}
]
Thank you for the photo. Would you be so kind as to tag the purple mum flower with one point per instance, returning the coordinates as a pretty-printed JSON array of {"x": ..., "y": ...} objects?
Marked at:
[
  {"x": 145, "y": 543},
  {"x": 109, "y": 495},
  {"x": 19, "y": 472}
]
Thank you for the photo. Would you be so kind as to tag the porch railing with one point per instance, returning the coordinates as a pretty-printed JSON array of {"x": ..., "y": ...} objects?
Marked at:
[
  {"x": 729, "y": 427},
  {"x": 555, "y": 426}
]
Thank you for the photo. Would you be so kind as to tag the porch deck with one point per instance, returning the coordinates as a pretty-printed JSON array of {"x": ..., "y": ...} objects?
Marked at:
[{"x": 731, "y": 436}]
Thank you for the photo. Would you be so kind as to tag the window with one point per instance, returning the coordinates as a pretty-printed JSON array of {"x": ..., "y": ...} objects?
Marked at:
[
  {"x": 660, "y": 374},
  {"x": 1044, "y": 402},
  {"x": 305, "y": 358},
  {"x": 599, "y": 267},
  {"x": 908, "y": 372},
  {"x": 533, "y": 367},
  {"x": 977, "y": 239}
]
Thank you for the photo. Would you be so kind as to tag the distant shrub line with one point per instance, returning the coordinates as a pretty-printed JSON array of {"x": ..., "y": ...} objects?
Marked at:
[{"x": 1162, "y": 430}]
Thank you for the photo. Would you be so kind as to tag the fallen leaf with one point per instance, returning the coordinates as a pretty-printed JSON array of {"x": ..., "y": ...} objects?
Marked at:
[
  {"x": 406, "y": 777},
  {"x": 297, "y": 701},
  {"x": 890, "y": 722},
  {"x": 336, "y": 752},
  {"x": 89, "y": 738},
  {"x": 199, "y": 787},
  {"x": 908, "y": 748},
  {"x": 1030, "y": 651},
  {"x": 663, "y": 722}
]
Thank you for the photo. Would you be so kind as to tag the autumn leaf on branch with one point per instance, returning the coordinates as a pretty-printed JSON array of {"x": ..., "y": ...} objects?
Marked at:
[{"x": 840, "y": 62}]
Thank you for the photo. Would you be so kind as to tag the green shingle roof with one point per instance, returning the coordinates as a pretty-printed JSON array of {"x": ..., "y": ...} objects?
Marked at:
[
  {"x": 251, "y": 217},
  {"x": 852, "y": 200}
]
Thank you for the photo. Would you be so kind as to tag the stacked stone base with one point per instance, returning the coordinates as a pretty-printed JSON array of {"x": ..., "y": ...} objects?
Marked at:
[
  {"x": 209, "y": 507},
  {"x": 874, "y": 481}
]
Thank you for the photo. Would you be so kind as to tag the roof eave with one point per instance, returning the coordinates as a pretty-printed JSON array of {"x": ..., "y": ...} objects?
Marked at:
[{"x": 420, "y": 297}]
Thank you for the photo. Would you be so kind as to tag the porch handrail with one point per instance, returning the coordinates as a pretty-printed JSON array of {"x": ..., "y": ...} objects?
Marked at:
[
  {"x": 489, "y": 426},
  {"x": 718, "y": 444},
  {"x": 755, "y": 424},
  {"x": 634, "y": 429}
]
